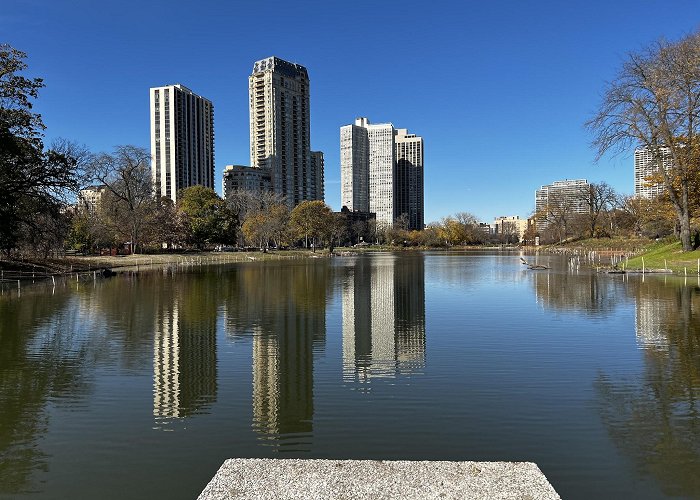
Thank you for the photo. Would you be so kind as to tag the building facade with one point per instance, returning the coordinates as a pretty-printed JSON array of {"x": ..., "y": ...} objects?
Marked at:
[
  {"x": 409, "y": 178},
  {"x": 566, "y": 195},
  {"x": 317, "y": 179},
  {"x": 646, "y": 167},
  {"x": 280, "y": 128},
  {"x": 89, "y": 199},
  {"x": 510, "y": 225},
  {"x": 241, "y": 177},
  {"x": 381, "y": 171},
  {"x": 182, "y": 140},
  {"x": 354, "y": 166}
]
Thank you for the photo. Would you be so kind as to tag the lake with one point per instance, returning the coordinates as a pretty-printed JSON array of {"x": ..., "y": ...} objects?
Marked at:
[{"x": 140, "y": 386}]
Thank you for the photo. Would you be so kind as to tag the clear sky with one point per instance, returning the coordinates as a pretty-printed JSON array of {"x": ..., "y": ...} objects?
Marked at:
[{"x": 499, "y": 90}]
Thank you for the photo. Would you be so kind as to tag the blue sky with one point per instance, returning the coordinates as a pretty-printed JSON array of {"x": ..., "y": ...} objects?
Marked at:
[{"x": 499, "y": 90}]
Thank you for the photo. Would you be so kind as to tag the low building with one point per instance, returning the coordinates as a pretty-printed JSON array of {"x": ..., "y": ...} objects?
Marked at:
[
  {"x": 244, "y": 178},
  {"x": 510, "y": 225},
  {"x": 89, "y": 199}
]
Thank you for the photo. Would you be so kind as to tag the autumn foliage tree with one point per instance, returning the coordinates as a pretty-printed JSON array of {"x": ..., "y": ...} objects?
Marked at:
[
  {"x": 654, "y": 103},
  {"x": 310, "y": 221}
]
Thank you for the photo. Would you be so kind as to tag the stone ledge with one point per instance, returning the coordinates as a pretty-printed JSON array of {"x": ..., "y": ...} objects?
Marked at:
[{"x": 291, "y": 479}]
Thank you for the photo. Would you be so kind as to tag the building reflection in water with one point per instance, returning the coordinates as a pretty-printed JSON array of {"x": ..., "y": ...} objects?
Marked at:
[
  {"x": 283, "y": 307},
  {"x": 383, "y": 300},
  {"x": 184, "y": 350},
  {"x": 651, "y": 318}
]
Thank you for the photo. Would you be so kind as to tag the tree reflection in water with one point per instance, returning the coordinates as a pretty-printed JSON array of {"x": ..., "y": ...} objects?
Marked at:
[
  {"x": 655, "y": 421},
  {"x": 42, "y": 358}
]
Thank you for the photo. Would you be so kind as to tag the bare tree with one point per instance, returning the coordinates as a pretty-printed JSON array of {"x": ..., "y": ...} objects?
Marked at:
[
  {"x": 559, "y": 214},
  {"x": 129, "y": 203},
  {"x": 654, "y": 103},
  {"x": 599, "y": 198},
  {"x": 243, "y": 203}
]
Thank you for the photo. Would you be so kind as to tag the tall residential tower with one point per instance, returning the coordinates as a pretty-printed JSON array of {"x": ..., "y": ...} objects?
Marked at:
[
  {"x": 381, "y": 171},
  {"x": 182, "y": 140},
  {"x": 280, "y": 129},
  {"x": 647, "y": 176}
]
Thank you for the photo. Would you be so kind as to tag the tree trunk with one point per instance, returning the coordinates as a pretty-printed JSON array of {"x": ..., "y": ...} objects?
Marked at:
[{"x": 684, "y": 220}]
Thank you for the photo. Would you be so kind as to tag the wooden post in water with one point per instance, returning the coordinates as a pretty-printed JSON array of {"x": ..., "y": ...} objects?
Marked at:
[{"x": 643, "y": 265}]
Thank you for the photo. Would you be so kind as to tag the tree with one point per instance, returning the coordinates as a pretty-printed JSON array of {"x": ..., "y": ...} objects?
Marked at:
[
  {"x": 264, "y": 225},
  {"x": 128, "y": 205},
  {"x": 654, "y": 103},
  {"x": 559, "y": 215},
  {"x": 34, "y": 183},
  {"x": 599, "y": 198},
  {"x": 336, "y": 229},
  {"x": 310, "y": 219},
  {"x": 242, "y": 202},
  {"x": 206, "y": 217}
]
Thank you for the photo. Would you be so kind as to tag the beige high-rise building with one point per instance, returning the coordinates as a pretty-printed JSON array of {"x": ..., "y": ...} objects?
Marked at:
[
  {"x": 182, "y": 140},
  {"x": 280, "y": 128}
]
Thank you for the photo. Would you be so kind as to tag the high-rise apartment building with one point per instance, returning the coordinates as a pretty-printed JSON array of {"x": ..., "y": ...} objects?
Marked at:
[
  {"x": 409, "y": 178},
  {"x": 354, "y": 166},
  {"x": 182, "y": 140},
  {"x": 280, "y": 128},
  {"x": 317, "y": 164},
  {"x": 381, "y": 171},
  {"x": 569, "y": 195},
  {"x": 646, "y": 166}
]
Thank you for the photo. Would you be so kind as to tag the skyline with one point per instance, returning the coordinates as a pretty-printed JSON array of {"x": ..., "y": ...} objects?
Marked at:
[{"x": 509, "y": 85}]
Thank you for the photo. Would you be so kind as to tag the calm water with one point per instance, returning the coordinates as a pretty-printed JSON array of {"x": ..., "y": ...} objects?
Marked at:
[{"x": 139, "y": 387}]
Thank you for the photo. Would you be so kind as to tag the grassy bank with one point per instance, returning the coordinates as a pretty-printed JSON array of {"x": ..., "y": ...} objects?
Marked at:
[{"x": 666, "y": 255}]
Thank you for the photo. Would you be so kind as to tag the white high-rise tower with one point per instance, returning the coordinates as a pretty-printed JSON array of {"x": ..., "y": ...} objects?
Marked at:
[
  {"x": 182, "y": 140},
  {"x": 381, "y": 171}
]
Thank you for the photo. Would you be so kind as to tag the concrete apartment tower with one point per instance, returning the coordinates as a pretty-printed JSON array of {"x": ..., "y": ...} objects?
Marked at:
[
  {"x": 182, "y": 140},
  {"x": 409, "y": 178},
  {"x": 567, "y": 194},
  {"x": 354, "y": 166},
  {"x": 280, "y": 128},
  {"x": 381, "y": 171},
  {"x": 646, "y": 165}
]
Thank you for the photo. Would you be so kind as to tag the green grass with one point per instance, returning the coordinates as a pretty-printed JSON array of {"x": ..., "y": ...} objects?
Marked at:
[
  {"x": 627, "y": 244},
  {"x": 665, "y": 255}
]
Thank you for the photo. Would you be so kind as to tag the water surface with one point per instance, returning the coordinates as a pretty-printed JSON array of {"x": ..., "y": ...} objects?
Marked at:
[{"x": 140, "y": 386}]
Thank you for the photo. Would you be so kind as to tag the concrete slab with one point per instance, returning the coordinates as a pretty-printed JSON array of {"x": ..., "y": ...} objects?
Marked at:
[{"x": 289, "y": 479}]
